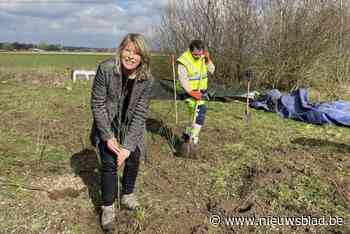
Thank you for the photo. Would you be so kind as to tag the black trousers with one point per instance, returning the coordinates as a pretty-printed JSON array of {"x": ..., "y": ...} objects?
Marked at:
[{"x": 109, "y": 169}]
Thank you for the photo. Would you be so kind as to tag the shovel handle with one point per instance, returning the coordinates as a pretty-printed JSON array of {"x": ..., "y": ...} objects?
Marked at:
[
  {"x": 247, "y": 102},
  {"x": 174, "y": 84}
]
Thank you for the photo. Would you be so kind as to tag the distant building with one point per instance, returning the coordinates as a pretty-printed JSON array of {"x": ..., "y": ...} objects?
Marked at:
[{"x": 36, "y": 50}]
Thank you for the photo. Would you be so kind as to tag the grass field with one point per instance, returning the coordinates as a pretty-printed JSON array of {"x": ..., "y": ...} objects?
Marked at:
[
  {"x": 63, "y": 63},
  {"x": 49, "y": 173},
  {"x": 55, "y": 62}
]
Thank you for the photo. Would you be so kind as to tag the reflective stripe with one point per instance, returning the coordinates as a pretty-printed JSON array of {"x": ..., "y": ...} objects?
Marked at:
[{"x": 205, "y": 76}]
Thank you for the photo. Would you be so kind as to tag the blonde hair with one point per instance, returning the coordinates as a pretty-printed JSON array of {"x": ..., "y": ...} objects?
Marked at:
[{"x": 143, "y": 71}]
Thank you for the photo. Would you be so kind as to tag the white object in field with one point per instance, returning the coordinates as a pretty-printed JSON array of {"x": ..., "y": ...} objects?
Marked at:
[{"x": 84, "y": 73}]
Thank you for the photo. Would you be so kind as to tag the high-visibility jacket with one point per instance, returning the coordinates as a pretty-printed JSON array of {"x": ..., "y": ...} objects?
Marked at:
[{"x": 197, "y": 70}]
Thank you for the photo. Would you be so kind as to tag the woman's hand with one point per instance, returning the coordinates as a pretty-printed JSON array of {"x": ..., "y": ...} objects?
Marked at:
[
  {"x": 113, "y": 145},
  {"x": 122, "y": 156}
]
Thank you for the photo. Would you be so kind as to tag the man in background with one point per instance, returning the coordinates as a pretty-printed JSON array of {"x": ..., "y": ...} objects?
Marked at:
[{"x": 193, "y": 68}]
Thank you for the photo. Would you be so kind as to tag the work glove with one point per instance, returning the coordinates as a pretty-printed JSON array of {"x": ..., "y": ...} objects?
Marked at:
[{"x": 196, "y": 94}]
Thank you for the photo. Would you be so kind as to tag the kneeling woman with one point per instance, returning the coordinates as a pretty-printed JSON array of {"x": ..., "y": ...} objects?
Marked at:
[{"x": 119, "y": 103}]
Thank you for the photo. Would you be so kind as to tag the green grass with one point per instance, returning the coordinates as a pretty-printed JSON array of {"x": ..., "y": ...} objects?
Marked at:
[
  {"x": 281, "y": 167},
  {"x": 60, "y": 62},
  {"x": 50, "y": 61},
  {"x": 286, "y": 167}
]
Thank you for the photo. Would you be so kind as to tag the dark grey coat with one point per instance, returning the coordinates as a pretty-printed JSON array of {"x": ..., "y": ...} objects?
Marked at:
[{"x": 106, "y": 96}]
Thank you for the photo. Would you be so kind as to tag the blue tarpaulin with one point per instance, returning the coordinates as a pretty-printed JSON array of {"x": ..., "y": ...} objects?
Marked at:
[{"x": 296, "y": 106}]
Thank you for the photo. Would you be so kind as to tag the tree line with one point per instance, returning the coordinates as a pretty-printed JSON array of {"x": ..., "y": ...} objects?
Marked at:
[
  {"x": 287, "y": 43},
  {"x": 26, "y": 46},
  {"x": 16, "y": 46}
]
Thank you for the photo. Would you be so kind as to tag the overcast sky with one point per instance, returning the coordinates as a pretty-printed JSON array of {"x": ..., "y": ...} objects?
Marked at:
[{"x": 91, "y": 23}]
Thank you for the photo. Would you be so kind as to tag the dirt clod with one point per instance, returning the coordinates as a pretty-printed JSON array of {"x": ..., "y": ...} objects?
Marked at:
[{"x": 68, "y": 192}]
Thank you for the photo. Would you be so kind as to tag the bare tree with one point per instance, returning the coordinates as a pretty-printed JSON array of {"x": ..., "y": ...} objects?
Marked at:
[{"x": 286, "y": 42}]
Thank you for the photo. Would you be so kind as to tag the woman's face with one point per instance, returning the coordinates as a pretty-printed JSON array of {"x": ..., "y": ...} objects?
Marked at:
[{"x": 130, "y": 57}]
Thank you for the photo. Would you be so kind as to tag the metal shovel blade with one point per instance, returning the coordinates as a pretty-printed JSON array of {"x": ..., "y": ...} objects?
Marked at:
[{"x": 188, "y": 150}]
